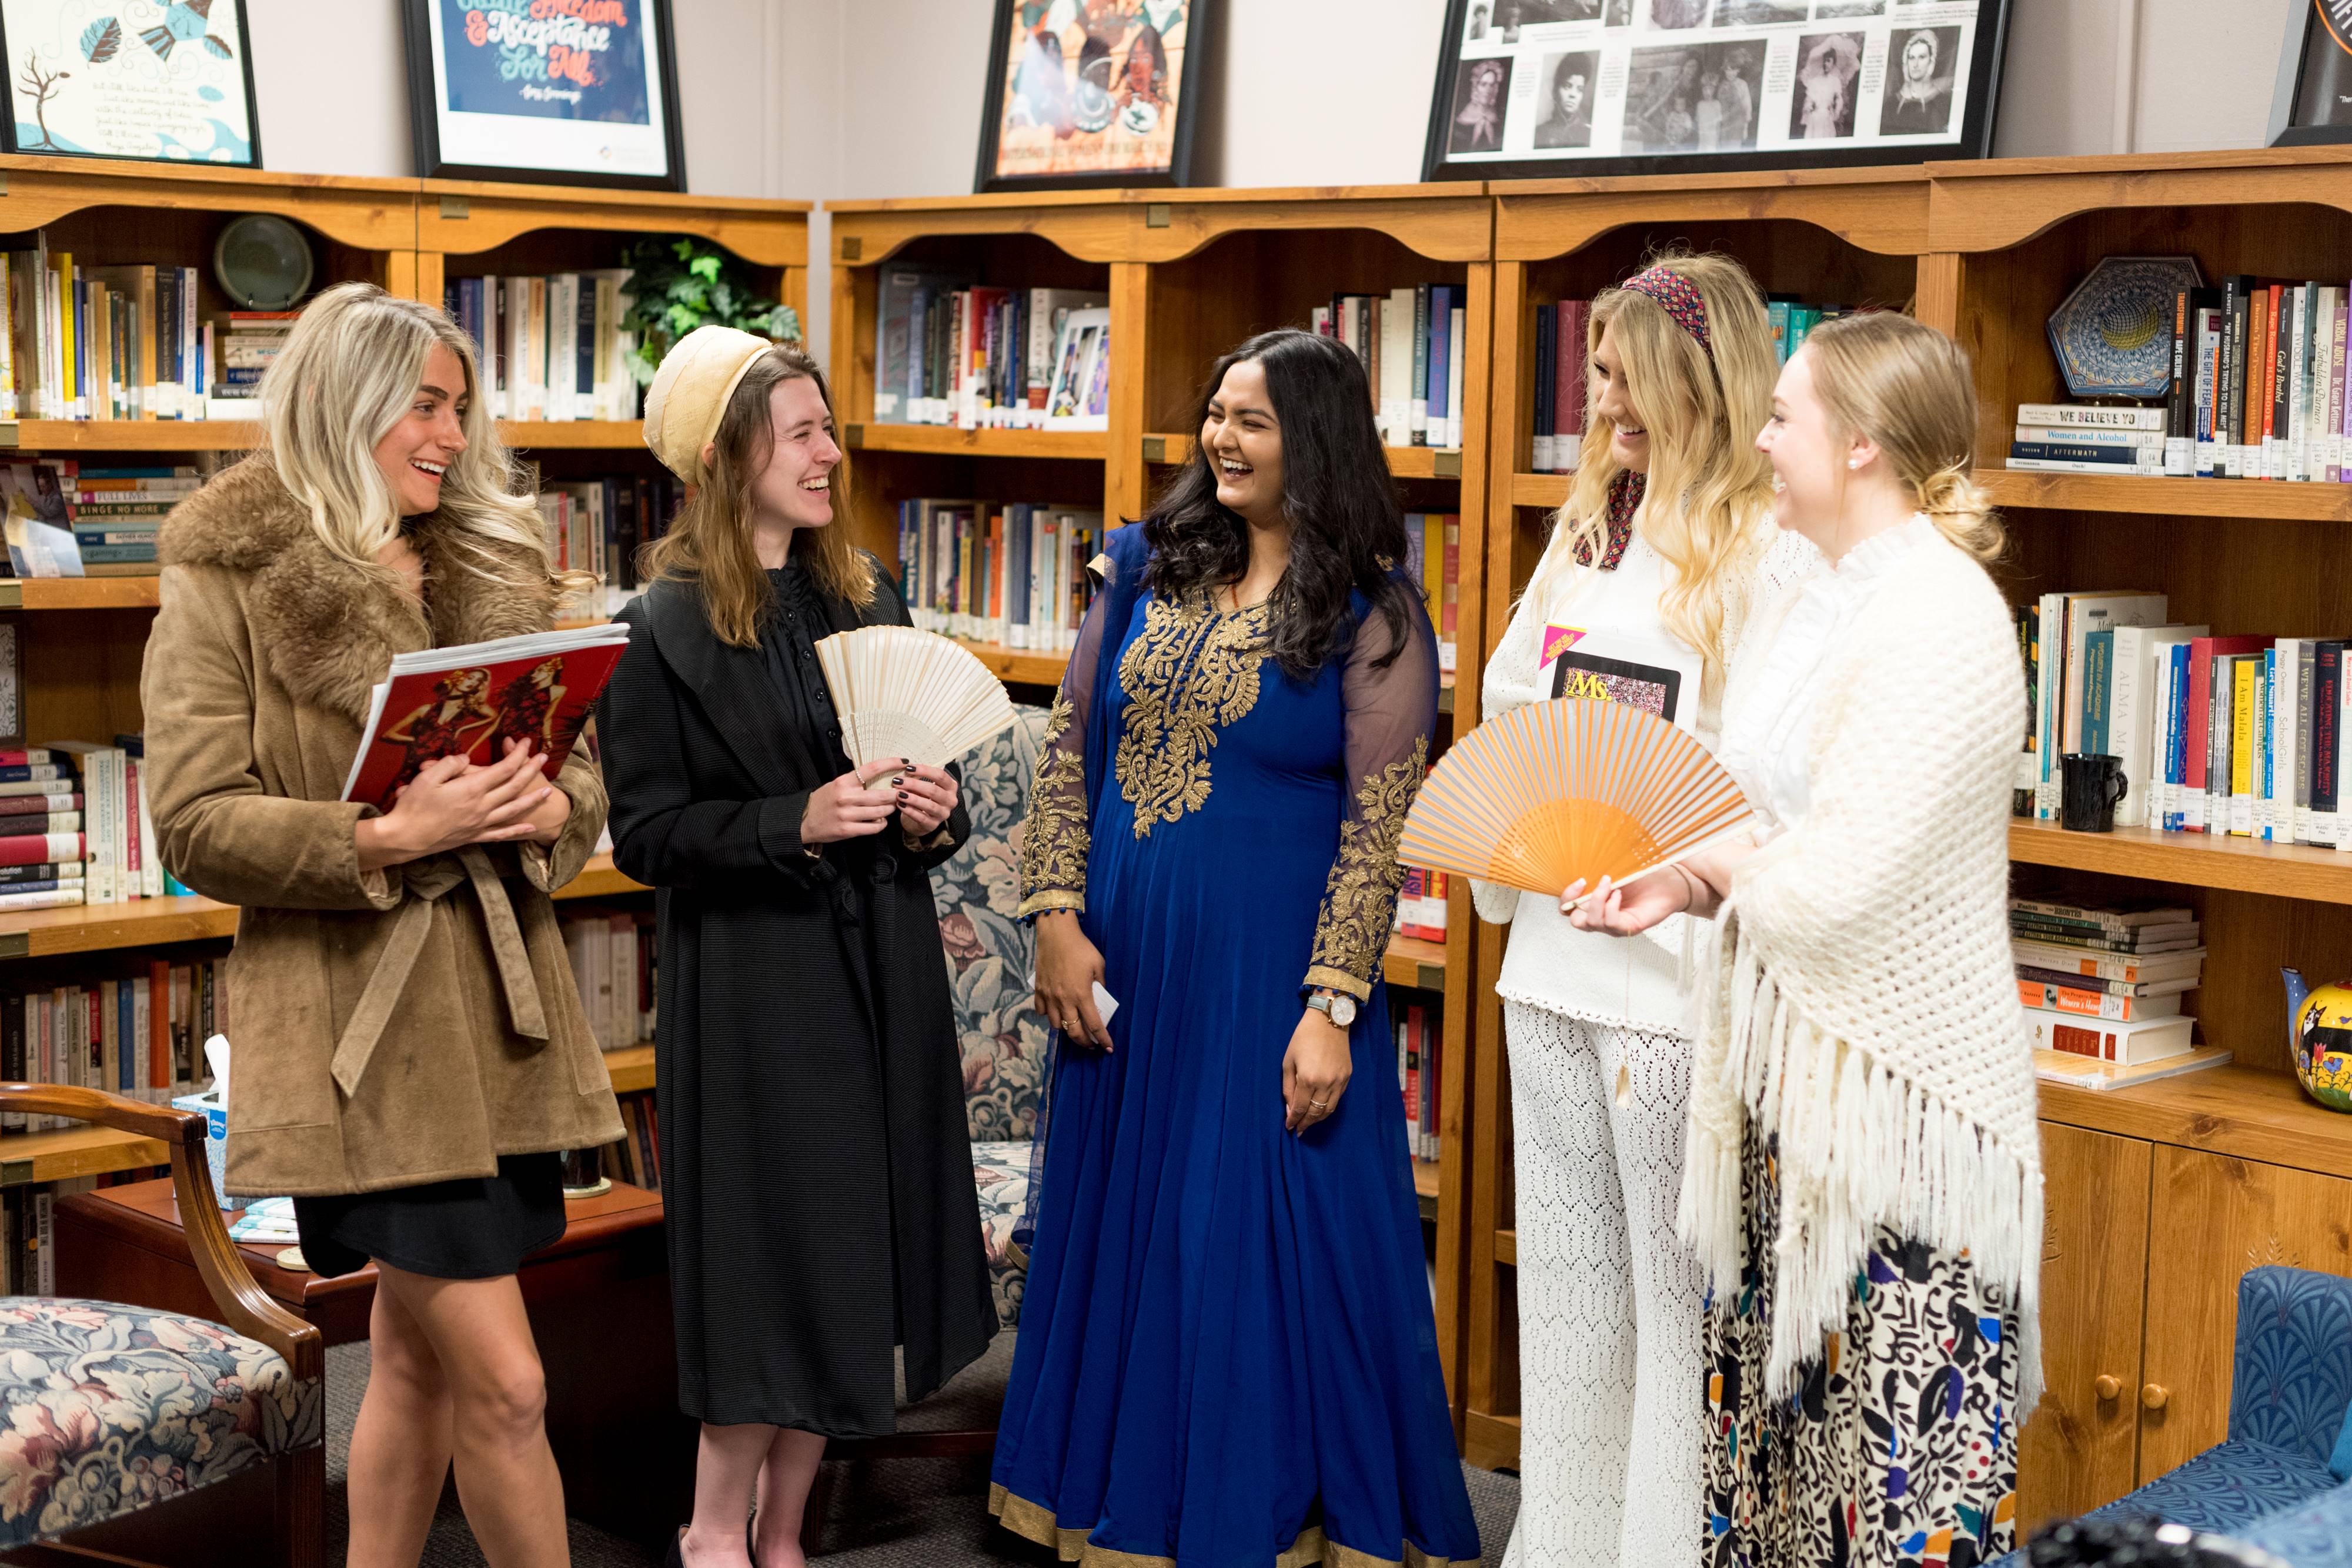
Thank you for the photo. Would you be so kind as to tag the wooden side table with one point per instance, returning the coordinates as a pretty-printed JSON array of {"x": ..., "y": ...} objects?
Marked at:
[{"x": 599, "y": 1304}]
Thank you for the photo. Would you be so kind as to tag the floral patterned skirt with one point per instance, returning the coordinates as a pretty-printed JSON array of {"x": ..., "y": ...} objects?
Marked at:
[{"x": 1898, "y": 1448}]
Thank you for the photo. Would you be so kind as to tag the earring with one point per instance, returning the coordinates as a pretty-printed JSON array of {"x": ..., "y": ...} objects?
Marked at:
[{"x": 1853, "y": 462}]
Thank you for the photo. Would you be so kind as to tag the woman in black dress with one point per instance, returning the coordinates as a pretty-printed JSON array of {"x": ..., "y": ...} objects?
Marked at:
[{"x": 814, "y": 1151}]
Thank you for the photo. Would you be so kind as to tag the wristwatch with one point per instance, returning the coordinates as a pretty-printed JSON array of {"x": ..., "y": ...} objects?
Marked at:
[{"x": 1340, "y": 1010}]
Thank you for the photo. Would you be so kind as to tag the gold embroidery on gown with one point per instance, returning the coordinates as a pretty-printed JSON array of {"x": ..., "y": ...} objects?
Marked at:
[
  {"x": 1053, "y": 845},
  {"x": 1359, "y": 900},
  {"x": 1191, "y": 672}
]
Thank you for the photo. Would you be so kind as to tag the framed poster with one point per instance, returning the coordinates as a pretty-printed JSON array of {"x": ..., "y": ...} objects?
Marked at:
[
  {"x": 584, "y": 92},
  {"x": 2312, "y": 104},
  {"x": 1089, "y": 93},
  {"x": 165, "y": 79},
  {"x": 1531, "y": 89}
]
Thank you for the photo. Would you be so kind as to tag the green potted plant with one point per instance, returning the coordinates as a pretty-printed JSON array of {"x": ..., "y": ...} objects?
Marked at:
[{"x": 679, "y": 283}]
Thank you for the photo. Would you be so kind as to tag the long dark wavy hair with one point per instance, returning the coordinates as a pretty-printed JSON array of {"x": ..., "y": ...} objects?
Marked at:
[{"x": 1347, "y": 529}]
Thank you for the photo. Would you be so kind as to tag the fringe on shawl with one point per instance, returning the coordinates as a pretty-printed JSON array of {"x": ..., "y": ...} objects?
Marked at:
[{"x": 1860, "y": 1146}]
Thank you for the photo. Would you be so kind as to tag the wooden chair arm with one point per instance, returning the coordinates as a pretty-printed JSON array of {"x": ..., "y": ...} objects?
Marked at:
[{"x": 243, "y": 1305}]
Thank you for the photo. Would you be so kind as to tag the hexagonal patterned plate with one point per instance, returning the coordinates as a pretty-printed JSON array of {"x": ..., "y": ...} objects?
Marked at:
[{"x": 2113, "y": 335}]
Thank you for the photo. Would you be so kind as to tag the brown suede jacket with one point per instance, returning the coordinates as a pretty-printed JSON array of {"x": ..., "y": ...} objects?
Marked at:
[{"x": 389, "y": 1028}]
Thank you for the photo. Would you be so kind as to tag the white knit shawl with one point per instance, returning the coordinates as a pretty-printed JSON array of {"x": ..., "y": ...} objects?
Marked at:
[{"x": 1860, "y": 1002}]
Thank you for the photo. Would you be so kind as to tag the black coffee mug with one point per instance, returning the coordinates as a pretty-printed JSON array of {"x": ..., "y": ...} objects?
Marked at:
[{"x": 2093, "y": 783}]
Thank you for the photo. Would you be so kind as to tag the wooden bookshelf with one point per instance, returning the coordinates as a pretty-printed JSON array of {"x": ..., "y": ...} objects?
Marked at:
[
  {"x": 1071, "y": 445},
  {"x": 69, "y": 1152},
  {"x": 2191, "y": 859},
  {"x": 2158, "y": 1196},
  {"x": 631, "y": 1069},
  {"x": 1189, "y": 274},
  {"x": 1404, "y": 462},
  {"x": 2256, "y": 499},
  {"x": 79, "y": 592}
]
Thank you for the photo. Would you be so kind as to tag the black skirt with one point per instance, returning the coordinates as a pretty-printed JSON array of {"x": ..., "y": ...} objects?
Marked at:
[{"x": 477, "y": 1227}]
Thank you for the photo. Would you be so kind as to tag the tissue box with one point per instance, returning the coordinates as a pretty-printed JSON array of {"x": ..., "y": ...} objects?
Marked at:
[{"x": 208, "y": 1106}]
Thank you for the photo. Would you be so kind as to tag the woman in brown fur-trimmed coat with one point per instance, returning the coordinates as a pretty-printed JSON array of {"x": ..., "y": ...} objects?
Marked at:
[{"x": 411, "y": 1051}]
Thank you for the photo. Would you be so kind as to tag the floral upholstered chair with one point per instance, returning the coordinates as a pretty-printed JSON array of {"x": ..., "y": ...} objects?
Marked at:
[
  {"x": 108, "y": 1412},
  {"x": 990, "y": 955},
  {"x": 1002, "y": 1039}
]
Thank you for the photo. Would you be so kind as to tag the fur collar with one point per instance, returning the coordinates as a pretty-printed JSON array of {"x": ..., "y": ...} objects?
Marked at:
[{"x": 328, "y": 630}]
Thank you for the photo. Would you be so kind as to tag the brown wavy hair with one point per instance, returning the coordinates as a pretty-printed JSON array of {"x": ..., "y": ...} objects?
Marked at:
[{"x": 709, "y": 543}]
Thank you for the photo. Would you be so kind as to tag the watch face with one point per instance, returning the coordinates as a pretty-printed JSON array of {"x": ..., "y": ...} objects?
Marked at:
[{"x": 1343, "y": 1010}]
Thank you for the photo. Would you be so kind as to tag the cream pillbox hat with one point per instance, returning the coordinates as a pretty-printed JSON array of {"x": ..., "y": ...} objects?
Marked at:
[{"x": 691, "y": 393}]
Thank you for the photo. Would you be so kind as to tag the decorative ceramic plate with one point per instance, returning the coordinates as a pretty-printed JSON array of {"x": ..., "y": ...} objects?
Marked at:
[{"x": 2113, "y": 335}]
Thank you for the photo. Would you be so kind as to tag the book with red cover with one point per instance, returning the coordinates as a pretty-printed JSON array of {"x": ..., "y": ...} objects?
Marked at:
[
  {"x": 476, "y": 696},
  {"x": 2202, "y": 651}
]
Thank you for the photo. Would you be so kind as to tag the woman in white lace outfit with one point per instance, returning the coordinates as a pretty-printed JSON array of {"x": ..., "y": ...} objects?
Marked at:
[
  {"x": 1660, "y": 575},
  {"x": 1864, "y": 1182}
]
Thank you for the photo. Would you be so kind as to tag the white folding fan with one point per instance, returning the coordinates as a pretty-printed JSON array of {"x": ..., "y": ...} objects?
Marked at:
[
  {"x": 904, "y": 693},
  {"x": 1568, "y": 790}
]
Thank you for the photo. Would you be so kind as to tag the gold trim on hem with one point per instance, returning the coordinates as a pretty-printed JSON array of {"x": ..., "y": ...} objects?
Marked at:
[{"x": 1035, "y": 1522}]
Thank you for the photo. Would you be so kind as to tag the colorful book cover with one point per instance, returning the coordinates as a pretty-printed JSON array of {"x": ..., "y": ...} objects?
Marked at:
[{"x": 473, "y": 699}]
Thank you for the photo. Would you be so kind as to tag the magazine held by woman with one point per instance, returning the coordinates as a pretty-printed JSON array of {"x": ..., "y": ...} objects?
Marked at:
[{"x": 474, "y": 697}]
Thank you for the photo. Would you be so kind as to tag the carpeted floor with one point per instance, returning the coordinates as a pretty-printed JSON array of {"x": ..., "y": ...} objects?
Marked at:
[{"x": 907, "y": 1513}]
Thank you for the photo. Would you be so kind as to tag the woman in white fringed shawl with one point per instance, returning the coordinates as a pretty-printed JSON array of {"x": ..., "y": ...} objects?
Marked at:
[{"x": 1863, "y": 1180}]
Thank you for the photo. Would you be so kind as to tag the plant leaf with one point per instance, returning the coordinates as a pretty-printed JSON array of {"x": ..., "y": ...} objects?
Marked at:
[{"x": 100, "y": 39}]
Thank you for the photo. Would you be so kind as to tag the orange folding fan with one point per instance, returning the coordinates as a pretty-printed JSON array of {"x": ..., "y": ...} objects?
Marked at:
[{"x": 1573, "y": 788}]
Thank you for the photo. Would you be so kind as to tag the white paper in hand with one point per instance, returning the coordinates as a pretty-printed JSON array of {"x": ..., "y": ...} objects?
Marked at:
[{"x": 1105, "y": 1004}]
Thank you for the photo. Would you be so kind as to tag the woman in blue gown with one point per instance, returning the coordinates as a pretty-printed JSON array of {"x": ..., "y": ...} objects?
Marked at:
[{"x": 1227, "y": 1355}]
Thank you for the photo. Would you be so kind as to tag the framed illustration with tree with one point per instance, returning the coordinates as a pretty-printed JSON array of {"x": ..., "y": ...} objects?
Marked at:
[{"x": 164, "y": 79}]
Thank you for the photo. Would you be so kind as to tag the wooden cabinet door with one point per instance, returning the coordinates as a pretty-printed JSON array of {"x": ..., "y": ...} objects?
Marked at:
[
  {"x": 2081, "y": 1451},
  {"x": 2213, "y": 1218}
]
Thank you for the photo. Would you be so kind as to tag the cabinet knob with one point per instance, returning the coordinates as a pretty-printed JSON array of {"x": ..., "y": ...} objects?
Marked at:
[
  {"x": 2154, "y": 1396},
  {"x": 2106, "y": 1387}
]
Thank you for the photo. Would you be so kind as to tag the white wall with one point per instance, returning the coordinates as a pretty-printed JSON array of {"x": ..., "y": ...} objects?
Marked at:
[{"x": 831, "y": 98}]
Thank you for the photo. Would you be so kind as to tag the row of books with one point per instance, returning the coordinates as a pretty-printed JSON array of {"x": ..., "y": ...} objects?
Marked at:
[
  {"x": 551, "y": 348},
  {"x": 2259, "y": 389},
  {"x": 2240, "y": 736},
  {"x": 250, "y": 343},
  {"x": 1420, "y": 903},
  {"x": 75, "y": 827},
  {"x": 637, "y": 1158},
  {"x": 1413, "y": 342},
  {"x": 1013, "y": 574},
  {"x": 598, "y": 525},
  {"x": 2104, "y": 984},
  {"x": 103, "y": 342},
  {"x": 1561, "y": 330},
  {"x": 949, "y": 350},
  {"x": 117, "y": 513},
  {"x": 138, "y": 1036},
  {"x": 1420, "y": 1074},
  {"x": 1433, "y": 558},
  {"x": 611, "y": 954}
]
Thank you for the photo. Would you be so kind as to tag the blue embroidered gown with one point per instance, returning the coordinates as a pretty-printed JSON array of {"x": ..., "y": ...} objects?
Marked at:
[{"x": 1226, "y": 1355}]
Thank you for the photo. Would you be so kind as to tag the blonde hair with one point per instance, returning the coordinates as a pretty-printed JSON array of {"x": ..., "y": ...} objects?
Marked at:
[
  {"x": 1708, "y": 483},
  {"x": 710, "y": 541},
  {"x": 350, "y": 370},
  {"x": 1908, "y": 388}
]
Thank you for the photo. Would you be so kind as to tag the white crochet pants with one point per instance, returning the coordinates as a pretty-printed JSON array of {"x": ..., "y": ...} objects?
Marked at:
[{"x": 1612, "y": 1379}]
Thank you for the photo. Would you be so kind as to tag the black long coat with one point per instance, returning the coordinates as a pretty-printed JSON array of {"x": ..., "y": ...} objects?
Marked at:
[{"x": 815, "y": 1160}]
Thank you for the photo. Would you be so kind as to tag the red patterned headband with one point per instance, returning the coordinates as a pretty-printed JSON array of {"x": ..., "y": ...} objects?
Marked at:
[{"x": 1682, "y": 302}]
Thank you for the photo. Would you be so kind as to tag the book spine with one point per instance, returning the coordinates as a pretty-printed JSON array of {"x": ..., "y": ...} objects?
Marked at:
[
  {"x": 1421, "y": 363},
  {"x": 2180, "y": 430},
  {"x": 1547, "y": 373}
]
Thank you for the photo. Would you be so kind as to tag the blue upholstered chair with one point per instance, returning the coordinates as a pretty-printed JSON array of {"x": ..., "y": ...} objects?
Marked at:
[
  {"x": 118, "y": 1422},
  {"x": 2271, "y": 1482}
]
